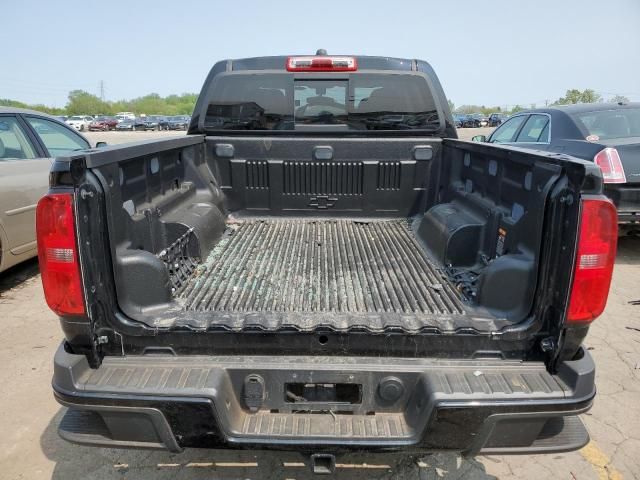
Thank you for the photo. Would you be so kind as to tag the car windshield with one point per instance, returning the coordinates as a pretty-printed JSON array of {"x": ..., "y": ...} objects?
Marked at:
[
  {"x": 610, "y": 124},
  {"x": 75, "y": 118},
  {"x": 362, "y": 101}
]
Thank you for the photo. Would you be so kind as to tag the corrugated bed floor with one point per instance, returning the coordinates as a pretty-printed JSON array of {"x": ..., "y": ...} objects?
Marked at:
[{"x": 319, "y": 266}]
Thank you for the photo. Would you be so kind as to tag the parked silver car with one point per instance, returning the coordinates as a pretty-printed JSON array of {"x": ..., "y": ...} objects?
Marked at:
[{"x": 29, "y": 141}]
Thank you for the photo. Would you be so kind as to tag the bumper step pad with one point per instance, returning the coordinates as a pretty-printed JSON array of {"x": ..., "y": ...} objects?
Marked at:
[{"x": 280, "y": 425}]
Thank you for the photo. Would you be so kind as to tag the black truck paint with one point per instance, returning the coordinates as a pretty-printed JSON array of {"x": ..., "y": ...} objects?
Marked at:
[{"x": 267, "y": 289}]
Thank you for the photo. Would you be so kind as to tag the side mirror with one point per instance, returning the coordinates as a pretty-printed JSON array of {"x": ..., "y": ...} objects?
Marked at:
[
  {"x": 479, "y": 138},
  {"x": 101, "y": 144}
]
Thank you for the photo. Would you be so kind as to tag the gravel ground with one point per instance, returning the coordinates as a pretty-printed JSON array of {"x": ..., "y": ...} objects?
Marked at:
[{"x": 31, "y": 449}]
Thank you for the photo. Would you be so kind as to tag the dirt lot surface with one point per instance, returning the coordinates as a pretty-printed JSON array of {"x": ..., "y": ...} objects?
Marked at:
[{"x": 31, "y": 449}]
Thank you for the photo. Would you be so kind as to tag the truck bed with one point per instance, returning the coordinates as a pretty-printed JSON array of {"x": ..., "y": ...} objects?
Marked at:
[
  {"x": 312, "y": 265},
  {"x": 375, "y": 241}
]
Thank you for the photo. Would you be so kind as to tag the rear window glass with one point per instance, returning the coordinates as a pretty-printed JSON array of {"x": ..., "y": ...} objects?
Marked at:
[
  {"x": 358, "y": 102},
  {"x": 609, "y": 124}
]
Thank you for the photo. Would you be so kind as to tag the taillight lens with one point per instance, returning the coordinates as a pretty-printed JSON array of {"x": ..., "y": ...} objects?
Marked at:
[
  {"x": 58, "y": 256},
  {"x": 321, "y": 64},
  {"x": 609, "y": 162},
  {"x": 595, "y": 256}
]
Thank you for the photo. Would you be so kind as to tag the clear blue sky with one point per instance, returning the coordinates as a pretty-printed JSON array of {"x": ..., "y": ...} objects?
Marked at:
[{"x": 500, "y": 52}]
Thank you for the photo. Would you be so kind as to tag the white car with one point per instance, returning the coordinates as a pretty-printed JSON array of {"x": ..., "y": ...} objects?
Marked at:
[
  {"x": 79, "y": 122},
  {"x": 122, "y": 116}
]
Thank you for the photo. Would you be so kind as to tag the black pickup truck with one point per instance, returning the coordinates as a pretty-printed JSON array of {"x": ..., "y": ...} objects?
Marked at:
[{"x": 321, "y": 265}]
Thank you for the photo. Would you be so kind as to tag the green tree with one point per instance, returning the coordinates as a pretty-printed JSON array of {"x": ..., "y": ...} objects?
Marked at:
[
  {"x": 619, "y": 99},
  {"x": 151, "y": 104},
  {"x": 489, "y": 110},
  {"x": 5, "y": 102},
  {"x": 50, "y": 110},
  {"x": 590, "y": 96},
  {"x": 576, "y": 96},
  {"x": 516, "y": 109},
  {"x": 572, "y": 96},
  {"x": 84, "y": 103},
  {"x": 469, "y": 109}
]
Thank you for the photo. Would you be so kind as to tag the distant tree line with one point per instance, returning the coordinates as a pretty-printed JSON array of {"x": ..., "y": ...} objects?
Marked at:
[
  {"x": 465, "y": 109},
  {"x": 83, "y": 103},
  {"x": 576, "y": 96},
  {"x": 572, "y": 96}
]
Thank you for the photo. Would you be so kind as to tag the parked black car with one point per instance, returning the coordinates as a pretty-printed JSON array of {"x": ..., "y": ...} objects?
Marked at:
[
  {"x": 132, "y": 125},
  {"x": 155, "y": 122},
  {"x": 496, "y": 119},
  {"x": 179, "y": 122},
  {"x": 483, "y": 120},
  {"x": 607, "y": 134},
  {"x": 475, "y": 120}
]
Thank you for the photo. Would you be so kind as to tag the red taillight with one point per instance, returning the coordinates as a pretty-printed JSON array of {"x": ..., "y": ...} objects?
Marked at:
[
  {"x": 595, "y": 256},
  {"x": 321, "y": 64},
  {"x": 58, "y": 256},
  {"x": 609, "y": 162}
]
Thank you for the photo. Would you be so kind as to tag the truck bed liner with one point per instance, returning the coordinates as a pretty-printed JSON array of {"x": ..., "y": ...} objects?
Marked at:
[{"x": 310, "y": 265}]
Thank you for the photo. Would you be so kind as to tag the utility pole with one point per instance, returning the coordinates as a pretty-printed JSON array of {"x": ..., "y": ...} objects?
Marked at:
[{"x": 102, "y": 90}]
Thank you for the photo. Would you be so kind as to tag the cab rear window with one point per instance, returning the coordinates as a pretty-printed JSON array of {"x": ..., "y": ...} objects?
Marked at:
[{"x": 280, "y": 101}]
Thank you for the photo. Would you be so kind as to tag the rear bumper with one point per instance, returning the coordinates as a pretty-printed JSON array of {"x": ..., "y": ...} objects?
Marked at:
[
  {"x": 626, "y": 198},
  {"x": 413, "y": 405}
]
